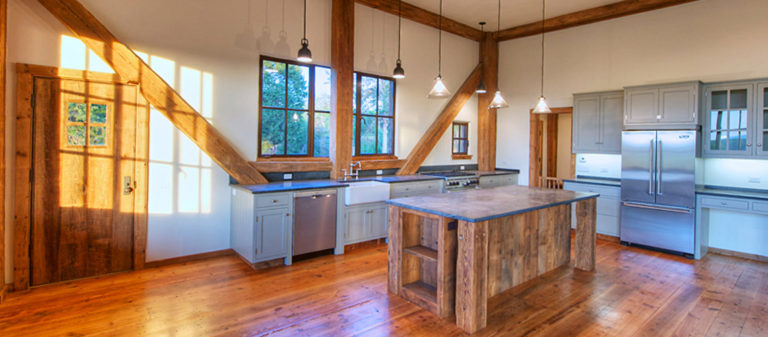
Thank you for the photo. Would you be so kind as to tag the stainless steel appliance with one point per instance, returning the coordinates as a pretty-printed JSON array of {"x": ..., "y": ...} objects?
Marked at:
[
  {"x": 314, "y": 227},
  {"x": 658, "y": 189},
  {"x": 457, "y": 180}
]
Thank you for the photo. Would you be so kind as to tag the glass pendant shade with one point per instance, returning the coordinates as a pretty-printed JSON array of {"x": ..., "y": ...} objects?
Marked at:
[
  {"x": 305, "y": 55},
  {"x": 498, "y": 101},
  {"x": 481, "y": 88},
  {"x": 398, "y": 72},
  {"x": 438, "y": 89},
  {"x": 542, "y": 107}
]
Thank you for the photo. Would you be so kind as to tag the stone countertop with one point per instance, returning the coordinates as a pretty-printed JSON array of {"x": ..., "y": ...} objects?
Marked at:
[
  {"x": 490, "y": 203},
  {"x": 284, "y": 186},
  {"x": 596, "y": 181},
  {"x": 733, "y": 192}
]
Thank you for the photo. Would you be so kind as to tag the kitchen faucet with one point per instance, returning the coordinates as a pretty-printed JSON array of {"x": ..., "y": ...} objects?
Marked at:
[{"x": 352, "y": 171}]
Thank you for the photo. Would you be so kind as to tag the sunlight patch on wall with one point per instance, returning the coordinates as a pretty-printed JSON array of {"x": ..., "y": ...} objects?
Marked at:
[{"x": 75, "y": 55}]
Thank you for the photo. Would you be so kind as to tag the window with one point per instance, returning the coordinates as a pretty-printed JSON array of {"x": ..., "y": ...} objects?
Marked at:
[
  {"x": 295, "y": 109},
  {"x": 373, "y": 123},
  {"x": 460, "y": 134},
  {"x": 728, "y": 120},
  {"x": 86, "y": 124}
]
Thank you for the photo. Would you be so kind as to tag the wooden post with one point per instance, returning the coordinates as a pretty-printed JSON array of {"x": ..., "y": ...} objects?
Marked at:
[
  {"x": 394, "y": 248},
  {"x": 585, "y": 234},
  {"x": 342, "y": 71},
  {"x": 472, "y": 276},
  {"x": 486, "y": 118},
  {"x": 3, "y": 34}
]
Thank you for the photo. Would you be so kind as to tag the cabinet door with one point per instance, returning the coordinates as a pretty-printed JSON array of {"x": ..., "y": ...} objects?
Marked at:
[
  {"x": 678, "y": 104},
  {"x": 272, "y": 230},
  {"x": 611, "y": 113},
  {"x": 727, "y": 118},
  {"x": 355, "y": 224},
  {"x": 586, "y": 126},
  {"x": 377, "y": 221},
  {"x": 641, "y": 106},
  {"x": 761, "y": 127}
]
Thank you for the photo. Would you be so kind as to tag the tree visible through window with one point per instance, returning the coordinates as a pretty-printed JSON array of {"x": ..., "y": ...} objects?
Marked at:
[{"x": 295, "y": 111}]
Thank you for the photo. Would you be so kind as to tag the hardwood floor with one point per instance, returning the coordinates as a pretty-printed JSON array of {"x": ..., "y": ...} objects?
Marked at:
[{"x": 633, "y": 293}]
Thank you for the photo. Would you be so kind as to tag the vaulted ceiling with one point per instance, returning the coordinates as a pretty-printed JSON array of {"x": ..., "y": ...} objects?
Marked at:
[{"x": 513, "y": 12}]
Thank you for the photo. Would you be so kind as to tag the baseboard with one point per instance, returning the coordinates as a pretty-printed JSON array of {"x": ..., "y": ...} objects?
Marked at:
[
  {"x": 747, "y": 256},
  {"x": 609, "y": 238},
  {"x": 189, "y": 258}
]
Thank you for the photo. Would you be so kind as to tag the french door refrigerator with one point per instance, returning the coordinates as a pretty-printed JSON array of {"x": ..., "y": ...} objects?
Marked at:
[{"x": 658, "y": 189}]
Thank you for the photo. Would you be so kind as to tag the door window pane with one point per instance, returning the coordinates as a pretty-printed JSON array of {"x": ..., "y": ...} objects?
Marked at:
[
  {"x": 765, "y": 119},
  {"x": 720, "y": 99},
  {"x": 385, "y": 97},
  {"x": 273, "y": 84},
  {"x": 97, "y": 135},
  {"x": 99, "y": 113},
  {"x": 76, "y": 112},
  {"x": 322, "y": 134},
  {"x": 298, "y": 87},
  {"x": 76, "y": 135},
  {"x": 272, "y": 132},
  {"x": 322, "y": 88},
  {"x": 298, "y": 133},
  {"x": 368, "y": 135},
  {"x": 717, "y": 120},
  {"x": 368, "y": 89},
  {"x": 384, "y": 135},
  {"x": 739, "y": 99}
]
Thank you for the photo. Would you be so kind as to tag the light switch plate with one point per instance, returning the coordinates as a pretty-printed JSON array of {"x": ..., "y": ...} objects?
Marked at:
[
  {"x": 287, "y": 176},
  {"x": 461, "y": 167},
  {"x": 379, "y": 172}
]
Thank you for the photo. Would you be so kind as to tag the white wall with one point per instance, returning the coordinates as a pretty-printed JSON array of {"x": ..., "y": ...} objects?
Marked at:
[
  {"x": 215, "y": 38},
  {"x": 707, "y": 40}
]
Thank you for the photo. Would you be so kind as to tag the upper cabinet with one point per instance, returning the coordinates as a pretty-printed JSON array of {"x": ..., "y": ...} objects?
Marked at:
[
  {"x": 735, "y": 119},
  {"x": 761, "y": 128},
  {"x": 597, "y": 122},
  {"x": 664, "y": 106}
]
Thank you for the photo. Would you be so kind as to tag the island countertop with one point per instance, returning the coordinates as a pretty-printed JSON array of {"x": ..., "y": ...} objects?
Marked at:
[{"x": 483, "y": 204}]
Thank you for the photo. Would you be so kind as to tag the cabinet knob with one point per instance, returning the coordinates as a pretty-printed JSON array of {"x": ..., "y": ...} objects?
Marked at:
[
  {"x": 274, "y": 201},
  {"x": 287, "y": 214},
  {"x": 723, "y": 203},
  {"x": 749, "y": 144}
]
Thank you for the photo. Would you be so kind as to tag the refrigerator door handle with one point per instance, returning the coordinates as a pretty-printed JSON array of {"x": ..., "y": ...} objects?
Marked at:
[
  {"x": 659, "y": 157},
  {"x": 650, "y": 170},
  {"x": 657, "y": 208}
]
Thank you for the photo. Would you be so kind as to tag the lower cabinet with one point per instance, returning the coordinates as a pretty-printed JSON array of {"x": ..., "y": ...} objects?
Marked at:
[
  {"x": 365, "y": 222},
  {"x": 261, "y": 225},
  {"x": 498, "y": 180},
  {"x": 608, "y": 206}
]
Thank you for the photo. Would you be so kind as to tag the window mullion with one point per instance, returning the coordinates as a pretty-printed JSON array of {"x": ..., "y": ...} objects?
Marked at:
[{"x": 311, "y": 114}]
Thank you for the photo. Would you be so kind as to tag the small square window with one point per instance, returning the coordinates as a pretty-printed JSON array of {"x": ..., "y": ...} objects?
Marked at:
[
  {"x": 460, "y": 137},
  {"x": 99, "y": 113},
  {"x": 76, "y": 112},
  {"x": 76, "y": 135},
  {"x": 97, "y": 135}
]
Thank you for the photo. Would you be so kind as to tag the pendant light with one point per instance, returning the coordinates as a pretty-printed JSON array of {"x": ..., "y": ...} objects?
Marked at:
[
  {"x": 438, "y": 88},
  {"x": 304, "y": 54},
  {"x": 542, "y": 107},
  {"x": 399, "y": 72},
  {"x": 498, "y": 101},
  {"x": 481, "y": 86}
]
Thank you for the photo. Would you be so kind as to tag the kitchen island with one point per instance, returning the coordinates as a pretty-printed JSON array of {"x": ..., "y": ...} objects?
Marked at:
[{"x": 449, "y": 253}]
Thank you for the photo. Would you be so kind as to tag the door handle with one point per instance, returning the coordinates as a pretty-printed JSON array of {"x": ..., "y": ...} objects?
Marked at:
[
  {"x": 659, "y": 158},
  {"x": 656, "y": 208},
  {"x": 650, "y": 170},
  {"x": 127, "y": 182}
]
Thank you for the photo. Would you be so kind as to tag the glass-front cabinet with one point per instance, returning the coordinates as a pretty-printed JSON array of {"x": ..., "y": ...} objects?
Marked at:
[
  {"x": 761, "y": 126},
  {"x": 727, "y": 120}
]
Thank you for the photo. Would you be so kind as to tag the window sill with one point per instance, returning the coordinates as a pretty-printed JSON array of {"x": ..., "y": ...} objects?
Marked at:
[
  {"x": 294, "y": 159},
  {"x": 461, "y": 156},
  {"x": 374, "y": 157}
]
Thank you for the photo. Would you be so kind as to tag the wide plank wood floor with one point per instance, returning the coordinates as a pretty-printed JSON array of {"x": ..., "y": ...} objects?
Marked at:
[{"x": 633, "y": 293}]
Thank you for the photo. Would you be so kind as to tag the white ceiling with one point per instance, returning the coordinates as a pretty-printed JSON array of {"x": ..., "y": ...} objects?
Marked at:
[{"x": 513, "y": 12}]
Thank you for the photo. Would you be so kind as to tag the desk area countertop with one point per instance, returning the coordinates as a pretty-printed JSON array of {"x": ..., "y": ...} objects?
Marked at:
[{"x": 490, "y": 203}]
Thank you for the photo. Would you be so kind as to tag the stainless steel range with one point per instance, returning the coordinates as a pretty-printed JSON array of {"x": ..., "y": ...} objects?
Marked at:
[{"x": 456, "y": 180}]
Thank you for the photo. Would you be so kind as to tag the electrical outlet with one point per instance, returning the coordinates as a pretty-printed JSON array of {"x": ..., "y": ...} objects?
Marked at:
[
  {"x": 754, "y": 180},
  {"x": 287, "y": 176},
  {"x": 379, "y": 172},
  {"x": 582, "y": 159},
  {"x": 461, "y": 167}
]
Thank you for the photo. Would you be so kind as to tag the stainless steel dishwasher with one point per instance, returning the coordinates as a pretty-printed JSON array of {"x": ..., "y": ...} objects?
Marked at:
[{"x": 314, "y": 226}]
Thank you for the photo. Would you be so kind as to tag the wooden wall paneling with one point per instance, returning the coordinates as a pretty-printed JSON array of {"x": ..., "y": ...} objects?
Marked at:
[
  {"x": 394, "y": 250},
  {"x": 486, "y": 117},
  {"x": 441, "y": 123},
  {"x": 22, "y": 177},
  {"x": 164, "y": 98},
  {"x": 446, "y": 269},
  {"x": 342, "y": 70},
  {"x": 585, "y": 239},
  {"x": 552, "y": 145},
  {"x": 292, "y": 166},
  {"x": 381, "y": 164},
  {"x": 3, "y": 38},
  {"x": 472, "y": 276},
  {"x": 141, "y": 181},
  {"x": 534, "y": 150},
  {"x": 587, "y": 16},
  {"x": 416, "y": 14}
]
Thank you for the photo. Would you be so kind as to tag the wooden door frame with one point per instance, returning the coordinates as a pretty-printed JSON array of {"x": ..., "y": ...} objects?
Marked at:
[
  {"x": 26, "y": 75},
  {"x": 535, "y": 146}
]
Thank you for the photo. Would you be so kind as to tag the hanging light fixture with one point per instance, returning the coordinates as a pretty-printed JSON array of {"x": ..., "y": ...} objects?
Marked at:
[
  {"x": 399, "y": 72},
  {"x": 498, "y": 101},
  {"x": 304, "y": 54},
  {"x": 542, "y": 107},
  {"x": 438, "y": 88},
  {"x": 481, "y": 86}
]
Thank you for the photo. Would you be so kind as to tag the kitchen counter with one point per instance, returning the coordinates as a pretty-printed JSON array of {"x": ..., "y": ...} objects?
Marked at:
[
  {"x": 401, "y": 179},
  {"x": 734, "y": 192},
  {"x": 284, "y": 186},
  {"x": 596, "y": 181},
  {"x": 477, "y": 205}
]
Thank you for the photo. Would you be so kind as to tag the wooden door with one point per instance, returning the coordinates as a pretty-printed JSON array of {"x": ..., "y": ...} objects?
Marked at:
[{"x": 84, "y": 166}]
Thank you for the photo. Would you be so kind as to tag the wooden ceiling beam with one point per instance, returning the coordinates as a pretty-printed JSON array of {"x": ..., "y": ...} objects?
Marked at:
[
  {"x": 587, "y": 16},
  {"x": 425, "y": 17},
  {"x": 443, "y": 121},
  {"x": 161, "y": 95}
]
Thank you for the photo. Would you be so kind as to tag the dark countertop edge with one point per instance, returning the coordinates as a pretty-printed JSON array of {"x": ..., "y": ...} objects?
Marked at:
[
  {"x": 394, "y": 180},
  {"x": 490, "y": 217},
  {"x": 728, "y": 191},
  {"x": 276, "y": 189},
  {"x": 595, "y": 181},
  {"x": 497, "y": 172}
]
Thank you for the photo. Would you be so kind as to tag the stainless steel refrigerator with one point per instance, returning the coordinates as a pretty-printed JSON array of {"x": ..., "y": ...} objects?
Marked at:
[{"x": 658, "y": 189}]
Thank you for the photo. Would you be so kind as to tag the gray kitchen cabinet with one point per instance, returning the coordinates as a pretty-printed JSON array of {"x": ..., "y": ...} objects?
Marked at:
[
  {"x": 597, "y": 122},
  {"x": 664, "y": 106},
  {"x": 730, "y": 120},
  {"x": 761, "y": 127},
  {"x": 365, "y": 222},
  {"x": 496, "y": 180},
  {"x": 608, "y": 209},
  {"x": 261, "y": 225},
  {"x": 412, "y": 189}
]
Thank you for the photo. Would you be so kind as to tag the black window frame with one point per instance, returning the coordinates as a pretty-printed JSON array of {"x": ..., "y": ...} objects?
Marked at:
[
  {"x": 454, "y": 139},
  {"x": 358, "y": 114}
]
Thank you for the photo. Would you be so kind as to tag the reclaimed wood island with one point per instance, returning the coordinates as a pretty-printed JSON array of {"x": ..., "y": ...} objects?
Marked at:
[{"x": 449, "y": 253}]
